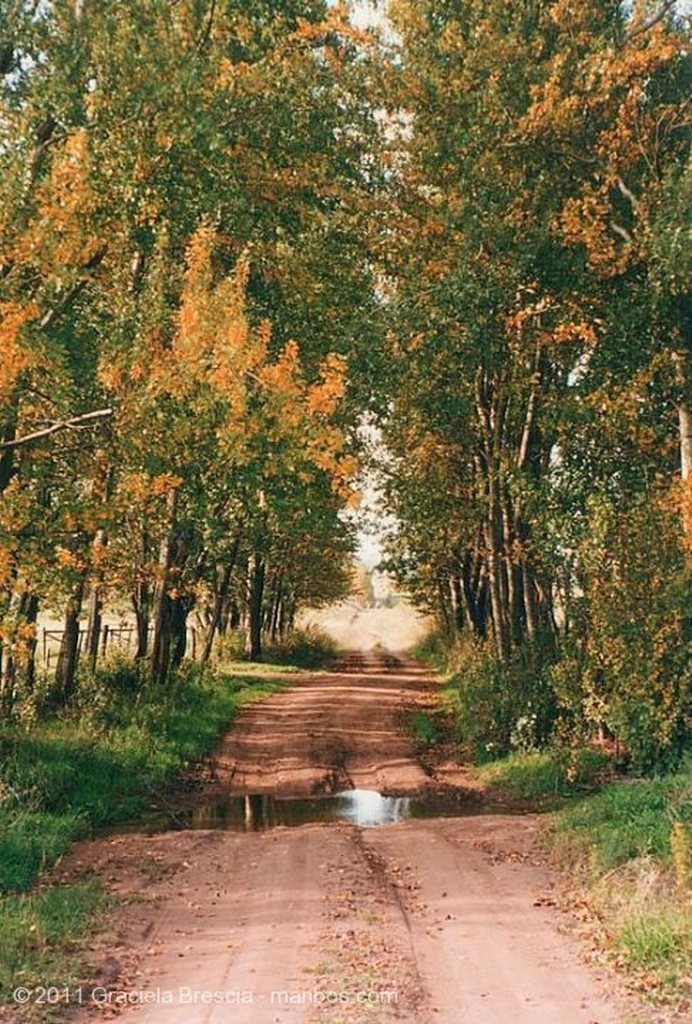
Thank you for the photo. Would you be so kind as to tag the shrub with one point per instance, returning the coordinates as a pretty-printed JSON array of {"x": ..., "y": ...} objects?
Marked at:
[
  {"x": 309, "y": 648},
  {"x": 499, "y": 707}
]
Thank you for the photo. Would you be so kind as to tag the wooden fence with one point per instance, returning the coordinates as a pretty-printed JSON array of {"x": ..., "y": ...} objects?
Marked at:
[{"x": 122, "y": 637}]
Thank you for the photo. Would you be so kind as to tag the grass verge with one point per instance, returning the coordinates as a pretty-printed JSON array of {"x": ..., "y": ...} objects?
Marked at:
[
  {"x": 41, "y": 934},
  {"x": 628, "y": 853},
  {"x": 99, "y": 763},
  {"x": 544, "y": 777}
]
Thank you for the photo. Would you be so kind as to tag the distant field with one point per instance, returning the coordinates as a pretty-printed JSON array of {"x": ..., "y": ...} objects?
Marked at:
[{"x": 356, "y": 628}]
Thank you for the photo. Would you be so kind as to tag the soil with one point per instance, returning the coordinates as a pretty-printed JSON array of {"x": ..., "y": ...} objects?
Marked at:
[{"x": 443, "y": 920}]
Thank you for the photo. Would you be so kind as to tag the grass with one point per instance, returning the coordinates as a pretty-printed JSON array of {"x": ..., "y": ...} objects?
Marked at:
[
  {"x": 40, "y": 934},
  {"x": 249, "y": 670},
  {"x": 628, "y": 850},
  {"x": 62, "y": 777},
  {"x": 544, "y": 775},
  {"x": 628, "y": 820},
  {"x": 423, "y": 729}
]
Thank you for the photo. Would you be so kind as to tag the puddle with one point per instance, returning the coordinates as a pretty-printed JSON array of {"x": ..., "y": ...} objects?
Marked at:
[{"x": 257, "y": 812}]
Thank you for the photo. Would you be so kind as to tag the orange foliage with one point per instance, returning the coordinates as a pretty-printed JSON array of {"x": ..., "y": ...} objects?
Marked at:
[
  {"x": 58, "y": 234},
  {"x": 323, "y": 399},
  {"x": 16, "y": 357}
]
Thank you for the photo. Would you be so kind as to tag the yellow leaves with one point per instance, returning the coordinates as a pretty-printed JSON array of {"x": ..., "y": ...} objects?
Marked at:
[
  {"x": 59, "y": 235},
  {"x": 229, "y": 72},
  {"x": 280, "y": 376},
  {"x": 323, "y": 399},
  {"x": 6, "y": 564},
  {"x": 552, "y": 109},
  {"x": 586, "y": 221},
  {"x": 136, "y": 486},
  {"x": 198, "y": 275},
  {"x": 214, "y": 344},
  {"x": 141, "y": 493},
  {"x": 164, "y": 483},
  {"x": 110, "y": 376},
  {"x": 71, "y": 560},
  {"x": 15, "y": 356},
  {"x": 580, "y": 331}
]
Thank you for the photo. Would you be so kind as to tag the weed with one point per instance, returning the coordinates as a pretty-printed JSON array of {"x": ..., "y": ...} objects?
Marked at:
[{"x": 423, "y": 729}]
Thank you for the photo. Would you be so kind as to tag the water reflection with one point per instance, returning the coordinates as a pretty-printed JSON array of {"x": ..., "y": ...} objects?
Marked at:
[
  {"x": 258, "y": 811},
  {"x": 368, "y": 808}
]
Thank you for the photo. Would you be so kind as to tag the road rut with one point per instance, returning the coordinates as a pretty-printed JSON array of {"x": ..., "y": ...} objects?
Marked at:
[{"x": 443, "y": 920}]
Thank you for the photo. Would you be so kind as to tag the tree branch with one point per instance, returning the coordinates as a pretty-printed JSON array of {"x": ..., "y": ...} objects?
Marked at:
[
  {"x": 206, "y": 34},
  {"x": 622, "y": 232},
  {"x": 667, "y": 6},
  {"x": 54, "y": 312},
  {"x": 628, "y": 194},
  {"x": 75, "y": 423}
]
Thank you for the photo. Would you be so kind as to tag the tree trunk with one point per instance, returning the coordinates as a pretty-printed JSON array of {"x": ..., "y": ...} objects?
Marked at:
[
  {"x": 496, "y": 582},
  {"x": 685, "y": 420},
  {"x": 65, "y": 673},
  {"x": 95, "y": 612},
  {"x": 220, "y": 600},
  {"x": 161, "y": 611},
  {"x": 8, "y": 432},
  {"x": 473, "y": 595},
  {"x": 276, "y": 608},
  {"x": 30, "y": 617},
  {"x": 253, "y": 644},
  {"x": 179, "y": 609},
  {"x": 462, "y": 613},
  {"x": 683, "y": 364},
  {"x": 233, "y": 616},
  {"x": 140, "y": 603},
  {"x": 530, "y": 601}
]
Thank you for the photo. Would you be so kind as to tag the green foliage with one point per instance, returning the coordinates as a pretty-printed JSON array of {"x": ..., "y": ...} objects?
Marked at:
[
  {"x": 499, "y": 707},
  {"x": 309, "y": 648},
  {"x": 627, "y": 665},
  {"x": 547, "y": 774}
]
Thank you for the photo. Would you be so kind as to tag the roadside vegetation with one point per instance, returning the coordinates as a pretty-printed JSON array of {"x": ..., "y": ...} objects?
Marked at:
[
  {"x": 622, "y": 841},
  {"x": 537, "y": 452},
  {"x": 62, "y": 776},
  {"x": 628, "y": 851}
]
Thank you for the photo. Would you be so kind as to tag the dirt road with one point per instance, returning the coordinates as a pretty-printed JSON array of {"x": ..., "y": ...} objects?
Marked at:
[{"x": 442, "y": 920}]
